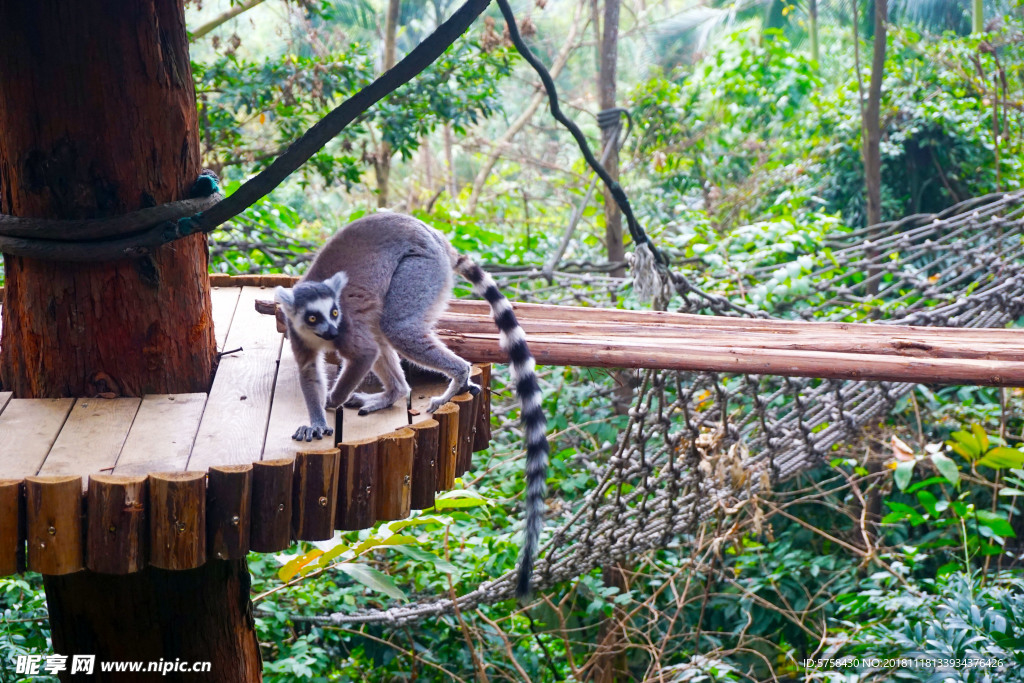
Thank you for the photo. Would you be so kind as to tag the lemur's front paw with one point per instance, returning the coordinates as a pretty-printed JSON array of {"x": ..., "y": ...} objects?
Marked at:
[
  {"x": 471, "y": 387},
  {"x": 309, "y": 433},
  {"x": 436, "y": 403}
]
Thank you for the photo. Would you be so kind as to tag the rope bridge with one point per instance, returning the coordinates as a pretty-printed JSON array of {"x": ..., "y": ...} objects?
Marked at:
[{"x": 697, "y": 443}]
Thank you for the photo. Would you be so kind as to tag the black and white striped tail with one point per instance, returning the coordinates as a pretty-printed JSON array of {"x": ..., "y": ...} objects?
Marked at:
[{"x": 513, "y": 341}]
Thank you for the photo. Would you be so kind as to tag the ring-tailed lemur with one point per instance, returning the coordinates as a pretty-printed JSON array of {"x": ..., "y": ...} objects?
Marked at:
[{"x": 373, "y": 293}]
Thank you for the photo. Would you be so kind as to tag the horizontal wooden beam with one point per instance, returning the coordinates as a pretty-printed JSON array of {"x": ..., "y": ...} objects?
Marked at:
[{"x": 596, "y": 337}]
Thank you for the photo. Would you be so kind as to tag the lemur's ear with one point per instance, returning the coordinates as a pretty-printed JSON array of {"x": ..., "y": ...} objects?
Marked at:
[
  {"x": 337, "y": 282},
  {"x": 285, "y": 297}
]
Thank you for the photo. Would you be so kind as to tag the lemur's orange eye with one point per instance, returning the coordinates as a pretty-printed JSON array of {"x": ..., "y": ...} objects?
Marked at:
[
  {"x": 334, "y": 313},
  {"x": 311, "y": 319}
]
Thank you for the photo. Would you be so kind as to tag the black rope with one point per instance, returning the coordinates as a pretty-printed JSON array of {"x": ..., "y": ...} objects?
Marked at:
[
  {"x": 146, "y": 235},
  {"x": 637, "y": 232}
]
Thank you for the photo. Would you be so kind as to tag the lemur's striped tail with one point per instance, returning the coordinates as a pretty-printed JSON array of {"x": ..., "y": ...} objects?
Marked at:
[{"x": 513, "y": 341}]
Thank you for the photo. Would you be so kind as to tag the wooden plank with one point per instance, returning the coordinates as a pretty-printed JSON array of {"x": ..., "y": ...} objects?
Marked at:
[
  {"x": 234, "y": 424},
  {"x": 116, "y": 529},
  {"x": 161, "y": 437},
  {"x": 584, "y": 351},
  {"x": 289, "y": 412},
  {"x": 860, "y": 338},
  {"x": 461, "y": 313},
  {"x": 53, "y": 507},
  {"x": 28, "y": 428},
  {"x": 422, "y": 392},
  {"x": 225, "y": 301},
  {"x": 356, "y": 427},
  {"x": 92, "y": 437}
]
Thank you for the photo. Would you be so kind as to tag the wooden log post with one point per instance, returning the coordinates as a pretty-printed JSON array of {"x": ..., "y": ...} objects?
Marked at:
[
  {"x": 53, "y": 507},
  {"x": 394, "y": 475},
  {"x": 482, "y": 438},
  {"x": 315, "y": 494},
  {"x": 357, "y": 484},
  {"x": 229, "y": 511},
  {"x": 447, "y": 417},
  {"x": 424, "y": 464},
  {"x": 117, "y": 528},
  {"x": 177, "y": 520},
  {"x": 12, "y": 527},
  {"x": 467, "y": 404},
  {"x": 272, "y": 482}
]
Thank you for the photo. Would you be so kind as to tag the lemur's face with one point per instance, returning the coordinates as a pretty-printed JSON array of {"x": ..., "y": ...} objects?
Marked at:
[{"x": 313, "y": 308}]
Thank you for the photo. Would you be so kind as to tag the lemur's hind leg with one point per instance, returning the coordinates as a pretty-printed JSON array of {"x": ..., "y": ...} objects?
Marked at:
[
  {"x": 419, "y": 291},
  {"x": 388, "y": 369}
]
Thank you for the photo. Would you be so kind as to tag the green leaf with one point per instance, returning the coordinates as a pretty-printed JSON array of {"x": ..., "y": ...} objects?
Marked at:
[
  {"x": 980, "y": 435},
  {"x": 373, "y": 579},
  {"x": 927, "y": 482},
  {"x": 439, "y": 563},
  {"x": 331, "y": 554},
  {"x": 418, "y": 521},
  {"x": 1011, "y": 492},
  {"x": 928, "y": 501},
  {"x": 287, "y": 572},
  {"x": 1002, "y": 457},
  {"x": 960, "y": 450},
  {"x": 997, "y": 523},
  {"x": 371, "y": 543},
  {"x": 968, "y": 442},
  {"x": 460, "y": 498},
  {"x": 946, "y": 467},
  {"x": 904, "y": 471}
]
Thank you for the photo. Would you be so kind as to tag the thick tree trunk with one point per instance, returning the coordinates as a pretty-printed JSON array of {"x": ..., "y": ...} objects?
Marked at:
[
  {"x": 606, "y": 97},
  {"x": 97, "y": 118},
  {"x": 199, "y": 615}
]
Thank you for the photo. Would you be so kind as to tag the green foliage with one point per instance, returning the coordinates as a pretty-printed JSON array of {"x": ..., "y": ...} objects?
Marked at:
[
  {"x": 23, "y": 626},
  {"x": 940, "y": 117},
  {"x": 252, "y": 110},
  {"x": 961, "y": 627}
]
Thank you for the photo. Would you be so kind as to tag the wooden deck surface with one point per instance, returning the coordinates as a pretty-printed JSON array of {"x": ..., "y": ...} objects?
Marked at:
[
  {"x": 253, "y": 407},
  {"x": 117, "y": 484}
]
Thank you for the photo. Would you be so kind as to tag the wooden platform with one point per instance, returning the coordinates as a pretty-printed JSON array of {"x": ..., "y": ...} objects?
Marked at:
[{"x": 171, "y": 480}]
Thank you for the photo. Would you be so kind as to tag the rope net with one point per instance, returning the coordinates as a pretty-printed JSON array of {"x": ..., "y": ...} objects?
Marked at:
[{"x": 699, "y": 444}]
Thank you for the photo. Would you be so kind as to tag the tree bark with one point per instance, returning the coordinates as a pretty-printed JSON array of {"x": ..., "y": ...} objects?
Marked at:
[
  {"x": 98, "y": 118},
  {"x": 198, "y": 615},
  {"x": 872, "y": 118},
  {"x": 382, "y": 162},
  {"x": 606, "y": 97}
]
